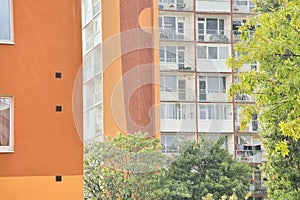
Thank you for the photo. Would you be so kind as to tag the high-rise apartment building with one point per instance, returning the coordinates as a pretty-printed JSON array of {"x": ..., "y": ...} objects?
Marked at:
[
  {"x": 41, "y": 151},
  {"x": 196, "y": 37},
  {"x": 120, "y": 67},
  {"x": 186, "y": 50}
]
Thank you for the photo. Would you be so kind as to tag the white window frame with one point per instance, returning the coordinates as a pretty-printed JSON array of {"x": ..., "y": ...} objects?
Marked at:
[
  {"x": 10, "y": 147},
  {"x": 177, "y": 50},
  {"x": 163, "y": 84},
  {"x": 205, "y": 78},
  {"x": 224, "y": 117},
  {"x": 207, "y": 52},
  {"x": 11, "y": 19}
]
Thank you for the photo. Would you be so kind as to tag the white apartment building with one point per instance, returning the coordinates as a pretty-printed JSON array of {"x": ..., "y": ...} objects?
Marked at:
[
  {"x": 195, "y": 39},
  {"x": 92, "y": 69}
]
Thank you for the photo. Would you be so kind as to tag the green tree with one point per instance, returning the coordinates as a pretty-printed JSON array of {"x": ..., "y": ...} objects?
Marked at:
[
  {"x": 126, "y": 167},
  {"x": 205, "y": 167},
  {"x": 276, "y": 89}
]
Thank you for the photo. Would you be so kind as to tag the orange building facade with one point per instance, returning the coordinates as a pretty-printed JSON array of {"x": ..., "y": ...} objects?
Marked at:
[
  {"x": 121, "y": 90},
  {"x": 41, "y": 150}
]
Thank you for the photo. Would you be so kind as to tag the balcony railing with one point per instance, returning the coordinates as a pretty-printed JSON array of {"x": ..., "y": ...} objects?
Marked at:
[
  {"x": 243, "y": 98},
  {"x": 186, "y": 5},
  {"x": 176, "y": 34},
  {"x": 180, "y": 64},
  {"x": 249, "y": 153},
  {"x": 213, "y": 35},
  {"x": 237, "y": 35},
  {"x": 242, "y": 6},
  {"x": 179, "y": 95}
]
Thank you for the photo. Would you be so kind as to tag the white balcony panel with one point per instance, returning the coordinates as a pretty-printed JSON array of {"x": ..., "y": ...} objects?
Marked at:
[
  {"x": 212, "y": 66},
  {"x": 212, "y": 6},
  {"x": 168, "y": 125},
  {"x": 215, "y": 126},
  {"x": 217, "y": 97}
]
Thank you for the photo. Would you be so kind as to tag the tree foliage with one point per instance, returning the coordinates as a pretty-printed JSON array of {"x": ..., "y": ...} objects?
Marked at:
[
  {"x": 276, "y": 89},
  {"x": 126, "y": 167},
  {"x": 205, "y": 167}
]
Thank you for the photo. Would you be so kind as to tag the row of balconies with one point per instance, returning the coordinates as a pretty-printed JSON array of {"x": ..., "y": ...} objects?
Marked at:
[
  {"x": 238, "y": 6},
  {"x": 207, "y": 35}
]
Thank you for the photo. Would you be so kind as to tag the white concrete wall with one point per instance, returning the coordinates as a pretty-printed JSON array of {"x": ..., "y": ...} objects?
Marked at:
[{"x": 212, "y": 6}]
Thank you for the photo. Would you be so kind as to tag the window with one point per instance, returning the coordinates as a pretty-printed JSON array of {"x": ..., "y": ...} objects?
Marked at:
[
  {"x": 215, "y": 112},
  {"x": 216, "y": 84},
  {"x": 172, "y": 54},
  {"x": 211, "y": 26},
  {"x": 211, "y": 52},
  {"x": 171, "y": 143},
  {"x": 168, "y": 83},
  {"x": 223, "y": 52},
  {"x": 177, "y": 111},
  {"x": 6, "y": 124},
  {"x": 6, "y": 21}
]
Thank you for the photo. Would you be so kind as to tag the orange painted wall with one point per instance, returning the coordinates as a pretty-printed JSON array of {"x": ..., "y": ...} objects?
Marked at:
[
  {"x": 47, "y": 39},
  {"x": 41, "y": 188},
  {"x": 119, "y": 16}
]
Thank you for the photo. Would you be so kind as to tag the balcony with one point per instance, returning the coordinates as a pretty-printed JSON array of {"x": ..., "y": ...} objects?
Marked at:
[
  {"x": 180, "y": 95},
  {"x": 251, "y": 127},
  {"x": 176, "y": 34},
  {"x": 212, "y": 6},
  {"x": 212, "y": 35},
  {"x": 186, "y": 65},
  {"x": 237, "y": 35},
  {"x": 249, "y": 153},
  {"x": 176, "y": 5},
  {"x": 242, "y": 6},
  {"x": 243, "y": 98}
]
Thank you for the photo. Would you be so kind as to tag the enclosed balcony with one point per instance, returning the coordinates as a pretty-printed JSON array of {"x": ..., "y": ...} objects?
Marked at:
[
  {"x": 176, "y": 58},
  {"x": 211, "y": 29},
  {"x": 177, "y": 117},
  {"x": 176, "y": 34},
  {"x": 176, "y": 5},
  {"x": 212, "y": 87},
  {"x": 242, "y": 6},
  {"x": 215, "y": 118},
  {"x": 212, "y": 57},
  {"x": 249, "y": 153},
  {"x": 177, "y": 87}
]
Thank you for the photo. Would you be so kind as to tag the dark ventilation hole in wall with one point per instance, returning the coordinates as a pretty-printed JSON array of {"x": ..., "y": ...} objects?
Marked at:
[
  {"x": 58, "y": 178},
  {"x": 58, "y": 108},
  {"x": 58, "y": 74}
]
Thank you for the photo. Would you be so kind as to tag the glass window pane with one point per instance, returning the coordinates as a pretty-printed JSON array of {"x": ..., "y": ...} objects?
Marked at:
[
  {"x": 171, "y": 83},
  {"x": 219, "y": 112},
  {"x": 4, "y": 121},
  {"x": 213, "y": 84},
  {"x": 223, "y": 84},
  {"x": 160, "y": 22},
  {"x": 171, "y": 54},
  {"x": 162, "y": 111},
  {"x": 211, "y": 111},
  {"x": 169, "y": 22},
  {"x": 221, "y": 26},
  {"x": 5, "y": 32},
  {"x": 202, "y": 112},
  {"x": 201, "y": 52},
  {"x": 223, "y": 52},
  {"x": 211, "y": 26},
  {"x": 162, "y": 54},
  {"x": 171, "y": 111},
  {"x": 212, "y": 53}
]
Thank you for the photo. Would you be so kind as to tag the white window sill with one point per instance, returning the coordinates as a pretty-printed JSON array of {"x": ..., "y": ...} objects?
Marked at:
[{"x": 7, "y": 42}]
